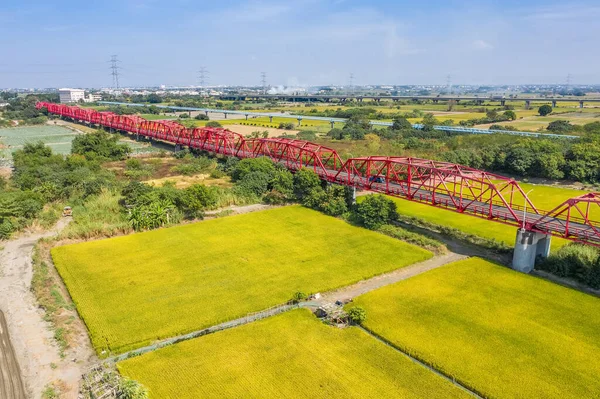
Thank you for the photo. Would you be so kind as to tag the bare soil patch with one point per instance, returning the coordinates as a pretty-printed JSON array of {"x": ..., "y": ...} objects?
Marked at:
[{"x": 246, "y": 130}]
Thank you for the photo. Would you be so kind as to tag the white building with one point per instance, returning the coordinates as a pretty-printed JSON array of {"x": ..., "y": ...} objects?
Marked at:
[{"x": 71, "y": 95}]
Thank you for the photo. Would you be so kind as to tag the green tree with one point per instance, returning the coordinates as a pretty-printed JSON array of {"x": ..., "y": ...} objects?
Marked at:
[
  {"x": 131, "y": 389},
  {"x": 510, "y": 115},
  {"x": 560, "y": 126},
  {"x": 375, "y": 211},
  {"x": 305, "y": 180},
  {"x": 99, "y": 145},
  {"x": 250, "y": 165},
  {"x": 401, "y": 123},
  {"x": 357, "y": 315},
  {"x": 545, "y": 110}
]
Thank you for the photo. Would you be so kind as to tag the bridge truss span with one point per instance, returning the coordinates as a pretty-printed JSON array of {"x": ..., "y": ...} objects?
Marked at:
[{"x": 442, "y": 185}]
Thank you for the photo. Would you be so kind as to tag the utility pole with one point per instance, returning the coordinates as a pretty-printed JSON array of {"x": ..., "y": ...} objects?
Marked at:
[
  {"x": 114, "y": 66},
  {"x": 263, "y": 81},
  {"x": 202, "y": 77}
]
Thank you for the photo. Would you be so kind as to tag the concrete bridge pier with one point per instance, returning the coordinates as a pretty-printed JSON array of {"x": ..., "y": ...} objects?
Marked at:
[
  {"x": 270, "y": 119},
  {"x": 580, "y": 104},
  {"x": 332, "y": 123},
  {"x": 299, "y": 121},
  {"x": 527, "y": 104},
  {"x": 553, "y": 103},
  {"x": 528, "y": 246}
]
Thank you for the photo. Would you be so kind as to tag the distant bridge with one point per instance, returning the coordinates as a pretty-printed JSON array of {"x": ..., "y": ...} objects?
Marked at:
[
  {"x": 333, "y": 121},
  {"x": 357, "y": 97}
]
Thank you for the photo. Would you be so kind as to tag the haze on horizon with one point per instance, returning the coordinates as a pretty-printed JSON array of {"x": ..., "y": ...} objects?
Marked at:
[{"x": 298, "y": 42}]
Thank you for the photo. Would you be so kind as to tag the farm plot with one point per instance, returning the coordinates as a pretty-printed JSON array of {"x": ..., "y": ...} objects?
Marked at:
[
  {"x": 503, "y": 333},
  {"x": 135, "y": 289},
  {"x": 290, "y": 355}
]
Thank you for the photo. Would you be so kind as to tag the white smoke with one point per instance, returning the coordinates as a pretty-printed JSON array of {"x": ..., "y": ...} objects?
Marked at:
[{"x": 286, "y": 90}]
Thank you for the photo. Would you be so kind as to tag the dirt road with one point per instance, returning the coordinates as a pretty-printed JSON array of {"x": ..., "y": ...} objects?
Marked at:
[{"x": 32, "y": 339}]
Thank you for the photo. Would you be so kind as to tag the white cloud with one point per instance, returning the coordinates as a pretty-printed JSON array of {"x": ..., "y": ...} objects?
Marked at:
[{"x": 482, "y": 45}]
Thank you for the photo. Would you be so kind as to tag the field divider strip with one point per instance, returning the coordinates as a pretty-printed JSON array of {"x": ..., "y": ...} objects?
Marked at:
[
  {"x": 249, "y": 318},
  {"x": 465, "y": 387}
]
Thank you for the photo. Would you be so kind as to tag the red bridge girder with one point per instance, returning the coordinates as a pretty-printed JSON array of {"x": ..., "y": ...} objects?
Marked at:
[{"x": 440, "y": 184}]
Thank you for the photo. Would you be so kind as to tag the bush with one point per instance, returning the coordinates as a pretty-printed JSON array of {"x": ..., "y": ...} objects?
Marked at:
[
  {"x": 99, "y": 145},
  {"x": 376, "y": 211},
  {"x": 250, "y": 165},
  {"x": 299, "y": 297},
  {"x": 254, "y": 183},
  {"x": 305, "y": 181},
  {"x": 201, "y": 117},
  {"x": 213, "y": 124},
  {"x": 577, "y": 261},
  {"x": 545, "y": 110},
  {"x": 331, "y": 201},
  {"x": 357, "y": 315}
]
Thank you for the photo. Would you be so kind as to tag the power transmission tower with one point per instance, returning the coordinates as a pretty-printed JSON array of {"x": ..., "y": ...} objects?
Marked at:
[
  {"x": 449, "y": 84},
  {"x": 114, "y": 66},
  {"x": 263, "y": 81},
  {"x": 568, "y": 82},
  {"x": 202, "y": 77},
  {"x": 351, "y": 84}
]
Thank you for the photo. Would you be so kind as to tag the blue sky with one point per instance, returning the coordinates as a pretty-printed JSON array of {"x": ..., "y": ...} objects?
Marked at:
[{"x": 298, "y": 42}]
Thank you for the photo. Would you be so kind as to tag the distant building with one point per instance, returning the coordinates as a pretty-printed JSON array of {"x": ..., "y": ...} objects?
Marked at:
[
  {"x": 92, "y": 98},
  {"x": 71, "y": 95}
]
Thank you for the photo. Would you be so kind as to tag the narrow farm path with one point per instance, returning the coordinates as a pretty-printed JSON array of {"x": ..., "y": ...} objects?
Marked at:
[
  {"x": 341, "y": 294},
  {"x": 36, "y": 353},
  {"x": 362, "y": 287}
]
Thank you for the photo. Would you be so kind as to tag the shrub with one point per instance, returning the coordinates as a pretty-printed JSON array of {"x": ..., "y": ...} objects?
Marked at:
[
  {"x": 577, "y": 261},
  {"x": 299, "y": 296},
  {"x": 305, "y": 180},
  {"x": 250, "y": 165},
  {"x": 99, "y": 145},
  {"x": 256, "y": 183},
  {"x": 545, "y": 110},
  {"x": 213, "y": 124},
  {"x": 376, "y": 211},
  {"x": 357, "y": 315}
]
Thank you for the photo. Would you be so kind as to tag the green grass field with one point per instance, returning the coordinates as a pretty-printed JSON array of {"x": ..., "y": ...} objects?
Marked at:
[
  {"x": 292, "y": 355},
  {"x": 544, "y": 198},
  {"x": 135, "y": 289},
  {"x": 504, "y": 333}
]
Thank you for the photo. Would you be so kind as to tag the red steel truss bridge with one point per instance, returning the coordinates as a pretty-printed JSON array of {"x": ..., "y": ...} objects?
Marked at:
[{"x": 443, "y": 185}]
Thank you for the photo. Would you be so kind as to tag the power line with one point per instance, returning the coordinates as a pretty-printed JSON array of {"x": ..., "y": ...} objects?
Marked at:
[
  {"x": 114, "y": 66},
  {"x": 202, "y": 77}
]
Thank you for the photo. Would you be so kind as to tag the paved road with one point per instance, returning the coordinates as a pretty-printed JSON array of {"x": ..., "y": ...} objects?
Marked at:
[{"x": 11, "y": 384}]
